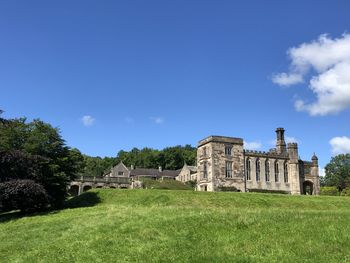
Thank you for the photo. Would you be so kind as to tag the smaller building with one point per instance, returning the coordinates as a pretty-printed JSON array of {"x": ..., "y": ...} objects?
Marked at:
[
  {"x": 187, "y": 173},
  {"x": 120, "y": 176}
]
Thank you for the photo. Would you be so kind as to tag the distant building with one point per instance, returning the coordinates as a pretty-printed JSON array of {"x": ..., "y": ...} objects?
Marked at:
[
  {"x": 222, "y": 162},
  {"x": 120, "y": 176}
]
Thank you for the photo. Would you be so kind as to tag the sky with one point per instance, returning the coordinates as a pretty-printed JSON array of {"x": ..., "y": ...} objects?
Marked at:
[{"x": 114, "y": 75}]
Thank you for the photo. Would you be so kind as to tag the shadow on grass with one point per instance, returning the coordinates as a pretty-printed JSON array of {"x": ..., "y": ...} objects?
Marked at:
[{"x": 87, "y": 199}]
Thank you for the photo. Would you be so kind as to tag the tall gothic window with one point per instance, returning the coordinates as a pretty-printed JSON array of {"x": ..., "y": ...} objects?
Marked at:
[
  {"x": 248, "y": 169},
  {"x": 267, "y": 171},
  {"x": 228, "y": 170},
  {"x": 257, "y": 165},
  {"x": 286, "y": 172},
  {"x": 228, "y": 150},
  {"x": 204, "y": 151},
  {"x": 277, "y": 172},
  {"x": 205, "y": 170}
]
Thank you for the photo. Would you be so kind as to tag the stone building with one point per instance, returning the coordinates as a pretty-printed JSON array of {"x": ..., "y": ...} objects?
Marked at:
[
  {"x": 120, "y": 176},
  {"x": 222, "y": 162}
]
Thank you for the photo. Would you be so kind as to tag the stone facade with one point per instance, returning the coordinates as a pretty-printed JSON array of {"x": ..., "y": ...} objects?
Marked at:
[{"x": 222, "y": 162}]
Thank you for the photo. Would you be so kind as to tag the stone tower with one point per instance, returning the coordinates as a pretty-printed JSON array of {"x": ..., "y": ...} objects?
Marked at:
[
  {"x": 220, "y": 162},
  {"x": 315, "y": 174},
  {"x": 294, "y": 168},
  {"x": 280, "y": 143}
]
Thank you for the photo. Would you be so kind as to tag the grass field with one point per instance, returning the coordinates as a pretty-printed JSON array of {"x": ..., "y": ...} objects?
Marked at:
[{"x": 182, "y": 226}]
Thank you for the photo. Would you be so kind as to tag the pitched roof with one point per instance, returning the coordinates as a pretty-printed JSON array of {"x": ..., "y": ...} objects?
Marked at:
[{"x": 153, "y": 172}]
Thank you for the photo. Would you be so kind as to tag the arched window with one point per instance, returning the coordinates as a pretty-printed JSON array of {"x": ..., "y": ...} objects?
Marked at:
[
  {"x": 257, "y": 165},
  {"x": 267, "y": 171},
  {"x": 277, "y": 172},
  {"x": 248, "y": 170},
  {"x": 286, "y": 172}
]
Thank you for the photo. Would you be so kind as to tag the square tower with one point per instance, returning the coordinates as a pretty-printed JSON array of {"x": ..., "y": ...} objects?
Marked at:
[{"x": 220, "y": 163}]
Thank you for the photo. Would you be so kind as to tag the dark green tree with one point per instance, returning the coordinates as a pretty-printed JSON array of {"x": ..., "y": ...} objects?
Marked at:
[{"x": 338, "y": 172}]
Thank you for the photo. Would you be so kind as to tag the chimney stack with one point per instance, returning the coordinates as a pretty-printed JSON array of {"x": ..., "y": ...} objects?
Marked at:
[{"x": 280, "y": 143}]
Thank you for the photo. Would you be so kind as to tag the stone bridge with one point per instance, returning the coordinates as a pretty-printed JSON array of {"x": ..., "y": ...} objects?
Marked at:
[{"x": 85, "y": 183}]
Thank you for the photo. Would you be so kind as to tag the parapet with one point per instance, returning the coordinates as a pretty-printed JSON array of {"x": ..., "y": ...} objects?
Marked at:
[{"x": 220, "y": 139}]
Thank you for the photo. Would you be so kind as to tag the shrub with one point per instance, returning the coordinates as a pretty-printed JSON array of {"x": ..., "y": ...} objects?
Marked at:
[
  {"x": 329, "y": 190},
  {"x": 164, "y": 184},
  {"x": 228, "y": 189},
  {"x": 345, "y": 192},
  {"x": 24, "y": 195},
  {"x": 267, "y": 191}
]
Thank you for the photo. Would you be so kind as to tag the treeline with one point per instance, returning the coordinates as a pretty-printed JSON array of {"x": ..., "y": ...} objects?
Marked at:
[
  {"x": 170, "y": 158},
  {"x": 36, "y": 165}
]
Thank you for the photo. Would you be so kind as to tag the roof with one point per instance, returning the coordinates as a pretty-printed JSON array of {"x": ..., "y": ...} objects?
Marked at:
[
  {"x": 221, "y": 139},
  {"x": 154, "y": 172}
]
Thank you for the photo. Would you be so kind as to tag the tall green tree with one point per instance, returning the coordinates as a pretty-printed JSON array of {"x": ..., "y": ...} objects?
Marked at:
[
  {"x": 36, "y": 151},
  {"x": 338, "y": 172}
]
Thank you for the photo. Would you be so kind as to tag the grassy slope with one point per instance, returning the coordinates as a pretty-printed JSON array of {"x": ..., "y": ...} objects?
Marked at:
[{"x": 183, "y": 226}]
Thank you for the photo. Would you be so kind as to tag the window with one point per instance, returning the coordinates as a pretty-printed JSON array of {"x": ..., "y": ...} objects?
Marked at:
[
  {"x": 228, "y": 150},
  {"x": 277, "y": 172},
  {"x": 267, "y": 171},
  {"x": 285, "y": 172},
  {"x": 205, "y": 170},
  {"x": 248, "y": 169},
  {"x": 120, "y": 173},
  {"x": 204, "y": 151},
  {"x": 228, "y": 170},
  {"x": 257, "y": 165}
]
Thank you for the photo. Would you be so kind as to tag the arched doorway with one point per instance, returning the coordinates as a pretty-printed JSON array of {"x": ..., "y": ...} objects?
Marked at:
[
  {"x": 308, "y": 188},
  {"x": 86, "y": 188},
  {"x": 74, "y": 190}
]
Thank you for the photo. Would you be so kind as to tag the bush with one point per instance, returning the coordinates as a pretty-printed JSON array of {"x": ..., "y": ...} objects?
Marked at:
[
  {"x": 267, "y": 191},
  {"x": 345, "y": 192},
  {"x": 329, "y": 190},
  {"x": 228, "y": 189},
  {"x": 24, "y": 195},
  {"x": 164, "y": 184}
]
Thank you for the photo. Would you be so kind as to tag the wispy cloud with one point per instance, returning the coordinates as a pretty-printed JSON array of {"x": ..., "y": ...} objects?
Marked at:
[
  {"x": 329, "y": 61},
  {"x": 87, "y": 120},
  {"x": 340, "y": 145},
  {"x": 289, "y": 139},
  {"x": 157, "y": 120},
  {"x": 252, "y": 145}
]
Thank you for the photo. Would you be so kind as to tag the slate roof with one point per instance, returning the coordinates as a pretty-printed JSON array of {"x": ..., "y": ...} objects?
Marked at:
[{"x": 154, "y": 172}]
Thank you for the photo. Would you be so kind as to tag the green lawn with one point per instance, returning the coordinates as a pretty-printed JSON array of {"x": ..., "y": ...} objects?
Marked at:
[{"x": 182, "y": 226}]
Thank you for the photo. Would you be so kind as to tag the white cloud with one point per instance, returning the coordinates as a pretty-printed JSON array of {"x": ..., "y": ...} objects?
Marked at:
[
  {"x": 340, "y": 145},
  {"x": 157, "y": 120},
  {"x": 252, "y": 145},
  {"x": 285, "y": 79},
  {"x": 88, "y": 120},
  {"x": 329, "y": 61},
  {"x": 322, "y": 172},
  {"x": 291, "y": 139}
]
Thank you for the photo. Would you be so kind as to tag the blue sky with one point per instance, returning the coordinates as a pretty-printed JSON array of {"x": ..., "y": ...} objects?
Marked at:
[{"x": 163, "y": 73}]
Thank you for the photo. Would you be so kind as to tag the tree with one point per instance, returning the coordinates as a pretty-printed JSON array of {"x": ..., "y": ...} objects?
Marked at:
[
  {"x": 36, "y": 151},
  {"x": 25, "y": 195},
  {"x": 338, "y": 172}
]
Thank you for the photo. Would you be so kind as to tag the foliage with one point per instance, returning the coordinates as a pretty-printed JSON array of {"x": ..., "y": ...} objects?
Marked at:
[
  {"x": 268, "y": 191},
  {"x": 164, "y": 184},
  {"x": 338, "y": 172},
  {"x": 329, "y": 190},
  {"x": 24, "y": 195},
  {"x": 228, "y": 189},
  {"x": 345, "y": 192},
  {"x": 184, "y": 226},
  {"x": 192, "y": 184},
  {"x": 170, "y": 158},
  {"x": 35, "y": 150}
]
